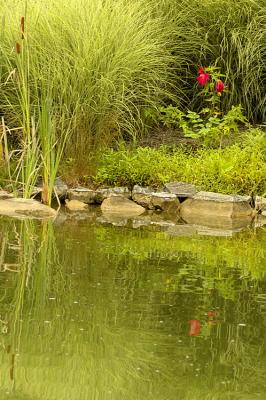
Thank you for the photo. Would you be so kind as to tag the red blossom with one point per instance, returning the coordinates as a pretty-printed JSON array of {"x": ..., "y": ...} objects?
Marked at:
[
  {"x": 219, "y": 87},
  {"x": 203, "y": 79},
  {"x": 201, "y": 70}
]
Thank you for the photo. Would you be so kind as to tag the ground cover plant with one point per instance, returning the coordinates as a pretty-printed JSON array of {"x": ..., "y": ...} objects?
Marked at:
[{"x": 239, "y": 168}]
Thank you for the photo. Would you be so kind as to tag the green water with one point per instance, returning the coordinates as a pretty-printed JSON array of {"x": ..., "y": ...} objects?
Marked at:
[{"x": 92, "y": 312}]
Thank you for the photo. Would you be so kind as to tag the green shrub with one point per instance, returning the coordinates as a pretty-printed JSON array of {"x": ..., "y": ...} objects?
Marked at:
[{"x": 239, "y": 169}]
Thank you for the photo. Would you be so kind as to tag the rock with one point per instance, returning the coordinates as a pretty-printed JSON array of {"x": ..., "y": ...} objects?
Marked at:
[
  {"x": 113, "y": 219},
  {"x": 263, "y": 213},
  {"x": 210, "y": 206},
  {"x": 5, "y": 195},
  {"x": 165, "y": 201},
  {"x": 143, "y": 196},
  {"x": 104, "y": 193},
  {"x": 25, "y": 208},
  {"x": 117, "y": 204},
  {"x": 181, "y": 189},
  {"x": 151, "y": 200},
  {"x": 60, "y": 188},
  {"x": 82, "y": 194},
  {"x": 225, "y": 231},
  {"x": 182, "y": 230},
  {"x": 139, "y": 223},
  {"x": 76, "y": 205},
  {"x": 260, "y": 203},
  {"x": 260, "y": 220}
]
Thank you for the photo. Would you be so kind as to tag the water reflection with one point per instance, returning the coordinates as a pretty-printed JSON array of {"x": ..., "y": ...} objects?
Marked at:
[{"x": 93, "y": 312}]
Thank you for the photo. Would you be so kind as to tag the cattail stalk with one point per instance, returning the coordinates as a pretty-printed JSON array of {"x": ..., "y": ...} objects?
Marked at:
[{"x": 22, "y": 27}]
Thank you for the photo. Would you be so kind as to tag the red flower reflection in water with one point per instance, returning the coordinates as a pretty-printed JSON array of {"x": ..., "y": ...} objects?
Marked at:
[
  {"x": 194, "y": 328},
  {"x": 212, "y": 314}
]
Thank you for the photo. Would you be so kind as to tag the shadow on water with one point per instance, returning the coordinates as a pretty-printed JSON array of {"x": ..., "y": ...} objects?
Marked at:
[{"x": 99, "y": 312}]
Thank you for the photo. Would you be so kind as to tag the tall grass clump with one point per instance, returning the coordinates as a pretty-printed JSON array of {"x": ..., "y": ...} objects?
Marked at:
[{"x": 102, "y": 62}]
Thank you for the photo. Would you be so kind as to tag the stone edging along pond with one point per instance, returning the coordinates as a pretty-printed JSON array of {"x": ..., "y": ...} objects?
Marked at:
[{"x": 177, "y": 203}]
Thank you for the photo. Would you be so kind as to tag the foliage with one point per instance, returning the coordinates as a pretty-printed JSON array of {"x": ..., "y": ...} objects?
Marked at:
[
  {"x": 101, "y": 80},
  {"x": 99, "y": 86},
  {"x": 211, "y": 129},
  {"x": 240, "y": 168},
  {"x": 231, "y": 36}
]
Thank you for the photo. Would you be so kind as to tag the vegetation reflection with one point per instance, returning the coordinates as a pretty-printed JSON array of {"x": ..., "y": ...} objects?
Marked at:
[{"x": 163, "y": 318}]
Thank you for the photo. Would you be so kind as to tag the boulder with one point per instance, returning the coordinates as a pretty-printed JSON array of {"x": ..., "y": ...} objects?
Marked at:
[
  {"x": 82, "y": 194},
  {"x": 181, "y": 189},
  {"x": 165, "y": 201},
  {"x": 76, "y": 205},
  {"x": 25, "y": 208},
  {"x": 113, "y": 219},
  {"x": 5, "y": 195},
  {"x": 104, "y": 193},
  {"x": 208, "y": 206},
  {"x": 151, "y": 200},
  {"x": 260, "y": 204},
  {"x": 60, "y": 188},
  {"x": 143, "y": 196},
  {"x": 117, "y": 204}
]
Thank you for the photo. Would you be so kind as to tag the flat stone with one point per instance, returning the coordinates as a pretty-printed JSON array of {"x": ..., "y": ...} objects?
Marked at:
[
  {"x": 152, "y": 200},
  {"x": 222, "y": 231},
  {"x": 165, "y": 201},
  {"x": 76, "y": 205},
  {"x": 260, "y": 203},
  {"x": 143, "y": 196},
  {"x": 82, "y": 194},
  {"x": 139, "y": 223},
  {"x": 113, "y": 219},
  {"x": 181, "y": 189},
  {"x": 117, "y": 204},
  {"x": 61, "y": 188},
  {"x": 260, "y": 220},
  {"x": 207, "y": 206},
  {"x": 25, "y": 208},
  {"x": 104, "y": 193},
  {"x": 182, "y": 230},
  {"x": 221, "y": 198},
  {"x": 5, "y": 195}
]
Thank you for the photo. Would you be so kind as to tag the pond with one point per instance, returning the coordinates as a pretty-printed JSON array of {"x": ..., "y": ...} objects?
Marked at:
[{"x": 99, "y": 312}]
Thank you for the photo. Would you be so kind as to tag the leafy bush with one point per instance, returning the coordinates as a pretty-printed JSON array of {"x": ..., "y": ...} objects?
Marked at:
[
  {"x": 211, "y": 129},
  {"x": 239, "y": 169}
]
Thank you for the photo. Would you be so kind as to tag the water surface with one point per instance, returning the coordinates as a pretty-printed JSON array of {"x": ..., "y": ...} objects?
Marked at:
[{"x": 92, "y": 312}]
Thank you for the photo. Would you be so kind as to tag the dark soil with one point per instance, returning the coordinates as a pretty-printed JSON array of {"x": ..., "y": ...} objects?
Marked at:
[{"x": 159, "y": 136}]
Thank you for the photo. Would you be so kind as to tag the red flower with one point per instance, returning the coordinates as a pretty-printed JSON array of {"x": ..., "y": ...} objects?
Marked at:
[
  {"x": 201, "y": 70},
  {"x": 219, "y": 87},
  {"x": 212, "y": 313},
  {"x": 203, "y": 79},
  {"x": 195, "y": 327}
]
